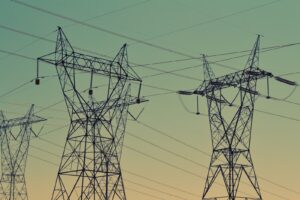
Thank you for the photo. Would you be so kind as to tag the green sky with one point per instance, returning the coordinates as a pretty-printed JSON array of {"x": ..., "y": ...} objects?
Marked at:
[{"x": 190, "y": 27}]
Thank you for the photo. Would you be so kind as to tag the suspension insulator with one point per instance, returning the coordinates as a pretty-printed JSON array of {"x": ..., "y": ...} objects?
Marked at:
[
  {"x": 285, "y": 81},
  {"x": 37, "y": 81}
]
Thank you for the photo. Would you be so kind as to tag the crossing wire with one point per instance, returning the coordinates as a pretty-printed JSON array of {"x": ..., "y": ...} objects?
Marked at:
[
  {"x": 204, "y": 152},
  {"x": 169, "y": 164},
  {"x": 98, "y": 28},
  {"x": 265, "y": 49},
  {"x": 143, "y": 65},
  {"x": 174, "y": 166},
  {"x": 181, "y": 169},
  {"x": 112, "y": 12},
  {"x": 146, "y": 194},
  {"x": 171, "y": 91},
  {"x": 279, "y": 115},
  {"x": 166, "y": 163},
  {"x": 84, "y": 50},
  {"x": 173, "y": 153},
  {"x": 143, "y": 177},
  {"x": 185, "y": 144},
  {"x": 210, "y": 20}
]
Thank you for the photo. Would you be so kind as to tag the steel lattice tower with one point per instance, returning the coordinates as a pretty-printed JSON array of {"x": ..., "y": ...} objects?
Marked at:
[
  {"x": 15, "y": 138},
  {"x": 230, "y": 100},
  {"x": 90, "y": 164}
]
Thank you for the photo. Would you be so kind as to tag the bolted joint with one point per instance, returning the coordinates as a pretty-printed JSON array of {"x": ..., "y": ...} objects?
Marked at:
[{"x": 138, "y": 100}]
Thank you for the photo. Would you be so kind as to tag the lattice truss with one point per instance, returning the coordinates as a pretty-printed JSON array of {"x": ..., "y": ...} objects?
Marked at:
[
  {"x": 15, "y": 135},
  {"x": 230, "y": 100},
  {"x": 90, "y": 164}
]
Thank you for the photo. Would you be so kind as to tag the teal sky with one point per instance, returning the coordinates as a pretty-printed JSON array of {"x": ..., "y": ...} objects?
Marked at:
[{"x": 191, "y": 27}]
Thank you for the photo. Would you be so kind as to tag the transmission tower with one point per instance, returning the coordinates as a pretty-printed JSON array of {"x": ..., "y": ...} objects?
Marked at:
[
  {"x": 90, "y": 164},
  {"x": 15, "y": 138},
  {"x": 230, "y": 100}
]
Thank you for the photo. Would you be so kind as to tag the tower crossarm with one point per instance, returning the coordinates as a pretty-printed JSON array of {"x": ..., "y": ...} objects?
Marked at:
[
  {"x": 235, "y": 79},
  {"x": 106, "y": 105},
  {"x": 20, "y": 121},
  {"x": 87, "y": 63}
]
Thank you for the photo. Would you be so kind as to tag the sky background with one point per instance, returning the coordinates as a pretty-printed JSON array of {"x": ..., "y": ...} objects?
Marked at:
[{"x": 191, "y": 27}]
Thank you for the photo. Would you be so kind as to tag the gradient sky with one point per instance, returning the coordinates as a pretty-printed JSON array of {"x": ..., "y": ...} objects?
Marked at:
[{"x": 214, "y": 27}]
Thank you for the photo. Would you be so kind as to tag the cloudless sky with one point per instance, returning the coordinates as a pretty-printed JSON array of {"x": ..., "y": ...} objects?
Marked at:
[{"x": 190, "y": 27}]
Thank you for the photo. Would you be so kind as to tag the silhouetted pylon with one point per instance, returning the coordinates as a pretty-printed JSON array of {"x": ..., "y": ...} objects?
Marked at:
[
  {"x": 90, "y": 165},
  {"x": 230, "y": 100},
  {"x": 15, "y": 141}
]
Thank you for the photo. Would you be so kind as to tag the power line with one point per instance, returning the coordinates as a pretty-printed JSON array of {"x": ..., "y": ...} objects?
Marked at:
[
  {"x": 165, "y": 150},
  {"x": 277, "y": 115},
  {"x": 119, "y": 34},
  {"x": 29, "y": 44},
  {"x": 16, "y": 88},
  {"x": 92, "y": 18},
  {"x": 146, "y": 194},
  {"x": 99, "y": 28},
  {"x": 264, "y": 49},
  {"x": 26, "y": 104},
  {"x": 112, "y": 12},
  {"x": 201, "y": 151},
  {"x": 33, "y": 59},
  {"x": 171, "y": 91},
  {"x": 154, "y": 189},
  {"x": 172, "y": 165},
  {"x": 160, "y": 94},
  {"x": 151, "y": 68},
  {"x": 150, "y": 195},
  {"x": 176, "y": 167},
  {"x": 173, "y": 152},
  {"x": 163, "y": 72},
  {"x": 129, "y": 172},
  {"x": 172, "y": 138},
  {"x": 21, "y": 86},
  {"x": 262, "y": 111},
  {"x": 164, "y": 162},
  {"x": 159, "y": 160},
  {"x": 16, "y": 54},
  {"x": 150, "y": 188},
  {"x": 211, "y": 20},
  {"x": 106, "y": 30},
  {"x": 142, "y": 65},
  {"x": 160, "y": 183},
  {"x": 186, "y": 171},
  {"x": 44, "y": 39}
]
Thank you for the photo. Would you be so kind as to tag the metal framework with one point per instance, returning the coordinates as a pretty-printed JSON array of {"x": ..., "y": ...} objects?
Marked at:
[
  {"x": 90, "y": 164},
  {"x": 230, "y": 101},
  {"x": 15, "y": 138}
]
